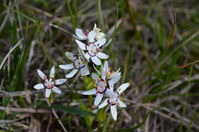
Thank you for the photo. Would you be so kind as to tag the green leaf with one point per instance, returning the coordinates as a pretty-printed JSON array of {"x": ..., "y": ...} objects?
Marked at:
[
  {"x": 101, "y": 115},
  {"x": 73, "y": 110}
]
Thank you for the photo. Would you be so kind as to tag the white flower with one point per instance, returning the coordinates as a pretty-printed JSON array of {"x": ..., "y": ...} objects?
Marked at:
[
  {"x": 99, "y": 35},
  {"x": 76, "y": 65},
  {"x": 101, "y": 88},
  {"x": 91, "y": 51},
  {"x": 49, "y": 84},
  {"x": 103, "y": 85},
  {"x": 92, "y": 48},
  {"x": 114, "y": 100},
  {"x": 111, "y": 76},
  {"x": 81, "y": 35}
]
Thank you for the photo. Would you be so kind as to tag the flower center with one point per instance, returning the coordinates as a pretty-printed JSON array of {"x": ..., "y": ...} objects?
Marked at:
[
  {"x": 49, "y": 83},
  {"x": 113, "y": 101},
  {"x": 86, "y": 32},
  {"x": 92, "y": 49},
  {"x": 97, "y": 30},
  {"x": 101, "y": 86},
  {"x": 109, "y": 73},
  {"x": 78, "y": 64}
]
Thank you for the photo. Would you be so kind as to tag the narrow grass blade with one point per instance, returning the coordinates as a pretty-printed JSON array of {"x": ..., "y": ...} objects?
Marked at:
[
  {"x": 71, "y": 14},
  {"x": 73, "y": 110},
  {"x": 6, "y": 57}
]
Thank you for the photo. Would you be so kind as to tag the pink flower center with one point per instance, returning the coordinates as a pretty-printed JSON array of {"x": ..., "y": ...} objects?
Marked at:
[
  {"x": 92, "y": 49},
  {"x": 49, "y": 84},
  {"x": 113, "y": 101},
  {"x": 101, "y": 86}
]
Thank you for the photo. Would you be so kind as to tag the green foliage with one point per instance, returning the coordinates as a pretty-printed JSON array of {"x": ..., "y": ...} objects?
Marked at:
[
  {"x": 73, "y": 110},
  {"x": 101, "y": 115}
]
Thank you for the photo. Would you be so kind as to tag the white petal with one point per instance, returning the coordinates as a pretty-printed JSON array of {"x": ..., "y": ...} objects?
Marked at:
[
  {"x": 84, "y": 71},
  {"x": 114, "y": 112},
  {"x": 91, "y": 36},
  {"x": 70, "y": 56},
  {"x": 87, "y": 56},
  {"x": 67, "y": 66},
  {"x": 106, "y": 66},
  {"x": 47, "y": 92},
  {"x": 72, "y": 73},
  {"x": 101, "y": 42},
  {"x": 110, "y": 93},
  {"x": 95, "y": 111},
  {"x": 121, "y": 104},
  {"x": 39, "y": 86},
  {"x": 56, "y": 90},
  {"x": 111, "y": 87},
  {"x": 96, "y": 60},
  {"x": 80, "y": 44},
  {"x": 114, "y": 78},
  {"x": 94, "y": 77},
  {"x": 117, "y": 73},
  {"x": 101, "y": 35},
  {"x": 60, "y": 81},
  {"x": 90, "y": 92},
  {"x": 52, "y": 72},
  {"x": 80, "y": 34},
  {"x": 41, "y": 74},
  {"x": 122, "y": 87},
  {"x": 103, "y": 104},
  {"x": 98, "y": 99},
  {"x": 102, "y": 55},
  {"x": 104, "y": 70},
  {"x": 95, "y": 26}
]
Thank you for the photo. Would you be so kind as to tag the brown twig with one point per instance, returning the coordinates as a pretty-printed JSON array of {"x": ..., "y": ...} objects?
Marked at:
[
  {"x": 18, "y": 93},
  {"x": 26, "y": 110},
  {"x": 56, "y": 116}
]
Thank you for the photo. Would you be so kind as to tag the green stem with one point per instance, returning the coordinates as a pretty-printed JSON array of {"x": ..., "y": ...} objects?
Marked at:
[
  {"x": 100, "y": 16},
  {"x": 40, "y": 39},
  {"x": 71, "y": 14}
]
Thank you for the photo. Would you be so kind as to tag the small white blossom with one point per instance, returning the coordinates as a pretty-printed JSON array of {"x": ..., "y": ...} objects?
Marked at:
[
  {"x": 114, "y": 100},
  {"x": 100, "y": 36},
  {"x": 104, "y": 84},
  {"x": 49, "y": 84},
  {"x": 111, "y": 76},
  {"x": 101, "y": 88},
  {"x": 76, "y": 65},
  {"x": 83, "y": 35},
  {"x": 92, "y": 52},
  {"x": 92, "y": 48}
]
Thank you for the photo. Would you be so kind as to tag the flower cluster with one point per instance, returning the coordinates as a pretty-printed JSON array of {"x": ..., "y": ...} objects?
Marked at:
[
  {"x": 95, "y": 39},
  {"x": 90, "y": 46},
  {"x": 104, "y": 86}
]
